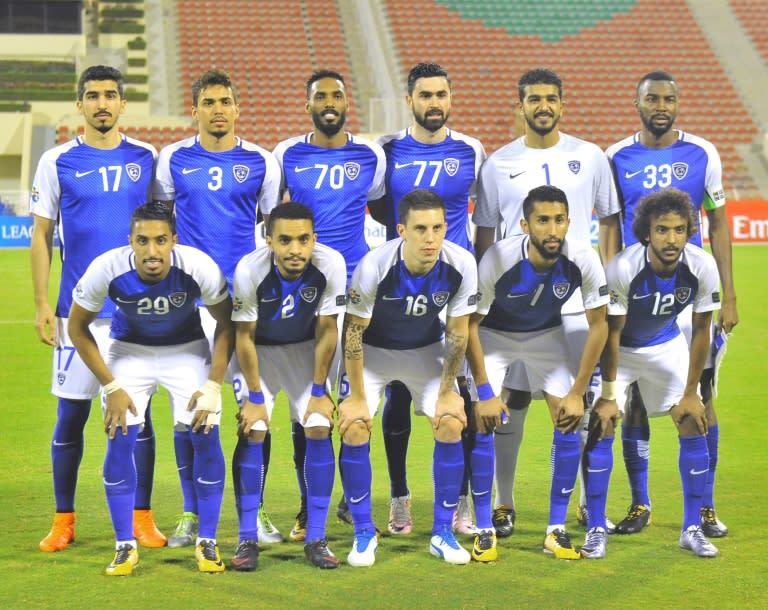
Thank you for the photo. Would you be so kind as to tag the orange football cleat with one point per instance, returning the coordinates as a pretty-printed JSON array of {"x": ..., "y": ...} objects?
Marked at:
[
  {"x": 61, "y": 534},
  {"x": 145, "y": 531}
]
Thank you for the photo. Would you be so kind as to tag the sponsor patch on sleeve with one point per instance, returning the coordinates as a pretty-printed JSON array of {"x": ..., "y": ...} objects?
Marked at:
[
  {"x": 341, "y": 300},
  {"x": 715, "y": 297},
  {"x": 603, "y": 290}
]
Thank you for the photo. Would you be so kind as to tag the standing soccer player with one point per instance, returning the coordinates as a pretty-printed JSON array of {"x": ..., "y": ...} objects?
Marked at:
[
  {"x": 651, "y": 283},
  {"x": 219, "y": 183},
  {"x": 335, "y": 174},
  {"x": 287, "y": 298},
  {"x": 88, "y": 186},
  {"x": 393, "y": 332},
  {"x": 524, "y": 284},
  {"x": 426, "y": 155},
  {"x": 157, "y": 340},
  {"x": 654, "y": 158},
  {"x": 542, "y": 156}
]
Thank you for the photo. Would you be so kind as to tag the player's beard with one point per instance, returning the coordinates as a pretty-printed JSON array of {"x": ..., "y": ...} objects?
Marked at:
[
  {"x": 103, "y": 125},
  {"x": 657, "y": 132},
  {"x": 431, "y": 124},
  {"x": 542, "y": 131},
  {"x": 546, "y": 254},
  {"x": 328, "y": 129}
]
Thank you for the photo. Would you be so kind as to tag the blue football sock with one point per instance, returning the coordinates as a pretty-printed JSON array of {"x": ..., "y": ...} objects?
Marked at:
[
  {"x": 355, "y": 464},
  {"x": 67, "y": 450},
  {"x": 144, "y": 457},
  {"x": 482, "y": 479},
  {"x": 447, "y": 470},
  {"x": 185, "y": 455},
  {"x": 266, "y": 446},
  {"x": 694, "y": 468},
  {"x": 713, "y": 442},
  {"x": 396, "y": 428},
  {"x": 634, "y": 441},
  {"x": 119, "y": 474},
  {"x": 319, "y": 469},
  {"x": 208, "y": 470},
  {"x": 299, "y": 455},
  {"x": 251, "y": 470},
  {"x": 598, "y": 464},
  {"x": 565, "y": 466}
]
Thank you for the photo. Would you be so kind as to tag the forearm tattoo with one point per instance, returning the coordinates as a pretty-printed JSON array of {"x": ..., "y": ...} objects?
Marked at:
[
  {"x": 353, "y": 341},
  {"x": 455, "y": 349}
]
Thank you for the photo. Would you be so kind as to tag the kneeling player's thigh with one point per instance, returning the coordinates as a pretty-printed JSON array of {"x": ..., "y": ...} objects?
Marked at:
[
  {"x": 184, "y": 370},
  {"x": 421, "y": 370},
  {"x": 664, "y": 377},
  {"x": 134, "y": 368}
]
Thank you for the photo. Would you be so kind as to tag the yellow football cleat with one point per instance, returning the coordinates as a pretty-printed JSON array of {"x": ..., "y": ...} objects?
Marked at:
[
  {"x": 484, "y": 547},
  {"x": 208, "y": 557},
  {"x": 558, "y": 543},
  {"x": 126, "y": 559},
  {"x": 145, "y": 531},
  {"x": 61, "y": 534}
]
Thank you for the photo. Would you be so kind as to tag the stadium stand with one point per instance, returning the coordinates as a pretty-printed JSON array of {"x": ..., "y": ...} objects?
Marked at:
[{"x": 753, "y": 15}]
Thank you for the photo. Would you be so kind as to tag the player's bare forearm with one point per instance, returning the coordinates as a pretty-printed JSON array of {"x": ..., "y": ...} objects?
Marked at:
[
  {"x": 609, "y": 361},
  {"x": 223, "y": 339},
  {"x": 608, "y": 238},
  {"x": 456, "y": 336},
  {"x": 378, "y": 210},
  {"x": 720, "y": 241},
  {"x": 85, "y": 343},
  {"x": 484, "y": 239},
  {"x": 475, "y": 355},
  {"x": 247, "y": 357},
  {"x": 700, "y": 344},
  {"x": 594, "y": 346},
  {"x": 40, "y": 259},
  {"x": 325, "y": 347},
  {"x": 354, "y": 327}
]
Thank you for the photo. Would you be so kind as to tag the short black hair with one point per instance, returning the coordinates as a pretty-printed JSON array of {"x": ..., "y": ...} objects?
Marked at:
[
  {"x": 290, "y": 210},
  {"x": 212, "y": 77},
  {"x": 155, "y": 210},
  {"x": 320, "y": 74},
  {"x": 425, "y": 70},
  {"x": 100, "y": 73},
  {"x": 659, "y": 203},
  {"x": 420, "y": 199},
  {"x": 655, "y": 75},
  {"x": 542, "y": 193},
  {"x": 539, "y": 76}
]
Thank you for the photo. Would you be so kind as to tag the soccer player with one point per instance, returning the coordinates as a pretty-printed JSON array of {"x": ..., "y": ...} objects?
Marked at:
[
  {"x": 88, "y": 187},
  {"x": 431, "y": 156},
  {"x": 392, "y": 331},
  {"x": 287, "y": 298},
  {"x": 219, "y": 183},
  {"x": 335, "y": 174},
  {"x": 543, "y": 155},
  {"x": 158, "y": 339},
  {"x": 651, "y": 283},
  {"x": 524, "y": 283},
  {"x": 654, "y": 158}
]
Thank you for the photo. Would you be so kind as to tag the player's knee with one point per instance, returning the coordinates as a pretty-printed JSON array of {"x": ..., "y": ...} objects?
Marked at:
[
  {"x": 517, "y": 400},
  {"x": 179, "y": 427},
  {"x": 257, "y": 436},
  {"x": 318, "y": 433},
  {"x": 687, "y": 427},
  {"x": 356, "y": 434},
  {"x": 706, "y": 385},
  {"x": 449, "y": 429}
]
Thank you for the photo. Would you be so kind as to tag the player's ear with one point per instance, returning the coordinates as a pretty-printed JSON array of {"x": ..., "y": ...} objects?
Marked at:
[
  {"x": 175, "y": 239},
  {"x": 524, "y": 225},
  {"x": 400, "y": 229}
]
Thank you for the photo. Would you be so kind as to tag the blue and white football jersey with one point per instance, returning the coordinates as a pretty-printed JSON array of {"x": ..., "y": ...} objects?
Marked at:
[
  {"x": 336, "y": 183},
  {"x": 217, "y": 196},
  {"x": 516, "y": 298},
  {"x": 448, "y": 168},
  {"x": 92, "y": 192},
  {"x": 286, "y": 311},
  {"x": 652, "y": 303},
  {"x": 404, "y": 308},
  {"x": 164, "y": 313},
  {"x": 691, "y": 164}
]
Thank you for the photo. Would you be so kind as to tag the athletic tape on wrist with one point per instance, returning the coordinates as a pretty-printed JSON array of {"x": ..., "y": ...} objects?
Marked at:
[
  {"x": 609, "y": 390},
  {"x": 112, "y": 386}
]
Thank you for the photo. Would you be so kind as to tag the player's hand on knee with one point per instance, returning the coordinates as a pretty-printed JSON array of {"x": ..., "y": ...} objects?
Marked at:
[
  {"x": 118, "y": 402},
  {"x": 690, "y": 408},
  {"x": 570, "y": 412},
  {"x": 322, "y": 405},
  {"x": 250, "y": 415},
  {"x": 449, "y": 405},
  {"x": 489, "y": 414},
  {"x": 205, "y": 403},
  {"x": 605, "y": 415},
  {"x": 353, "y": 409}
]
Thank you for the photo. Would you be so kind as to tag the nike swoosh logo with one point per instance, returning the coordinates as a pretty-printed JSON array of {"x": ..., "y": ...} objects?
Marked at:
[
  {"x": 298, "y": 170},
  {"x": 637, "y": 297},
  {"x": 386, "y": 297},
  {"x": 119, "y": 300},
  {"x": 517, "y": 296},
  {"x": 108, "y": 484},
  {"x": 81, "y": 174},
  {"x": 446, "y": 505},
  {"x": 596, "y": 469},
  {"x": 695, "y": 472},
  {"x": 402, "y": 165},
  {"x": 358, "y": 500},
  {"x": 627, "y": 175},
  {"x": 270, "y": 300},
  {"x": 180, "y": 468},
  {"x": 202, "y": 481},
  {"x": 186, "y": 170},
  {"x": 513, "y": 176},
  {"x": 58, "y": 444},
  {"x": 481, "y": 493},
  {"x": 564, "y": 491}
]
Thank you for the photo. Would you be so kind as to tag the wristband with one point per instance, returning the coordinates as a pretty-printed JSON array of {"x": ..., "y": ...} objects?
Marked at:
[
  {"x": 484, "y": 391},
  {"x": 256, "y": 398},
  {"x": 609, "y": 390},
  {"x": 112, "y": 386},
  {"x": 318, "y": 390}
]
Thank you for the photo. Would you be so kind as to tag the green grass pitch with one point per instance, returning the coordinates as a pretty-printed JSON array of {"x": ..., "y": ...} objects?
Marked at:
[{"x": 646, "y": 569}]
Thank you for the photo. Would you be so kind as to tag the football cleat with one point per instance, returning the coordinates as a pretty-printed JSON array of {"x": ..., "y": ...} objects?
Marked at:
[
  {"x": 594, "y": 544},
  {"x": 126, "y": 559},
  {"x": 484, "y": 546},
  {"x": 462, "y": 518},
  {"x": 145, "y": 531},
  {"x": 246, "y": 557},
  {"x": 693, "y": 539},
  {"x": 185, "y": 532},
  {"x": 208, "y": 557},
  {"x": 638, "y": 517},
  {"x": 444, "y": 545},
  {"x": 400, "y": 521},
  {"x": 61, "y": 534},
  {"x": 711, "y": 525},
  {"x": 342, "y": 512},
  {"x": 319, "y": 555},
  {"x": 299, "y": 531},
  {"x": 558, "y": 543},
  {"x": 363, "y": 553},
  {"x": 582, "y": 516},
  {"x": 266, "y": 531},
  {"x": 504, "y": 520}
]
